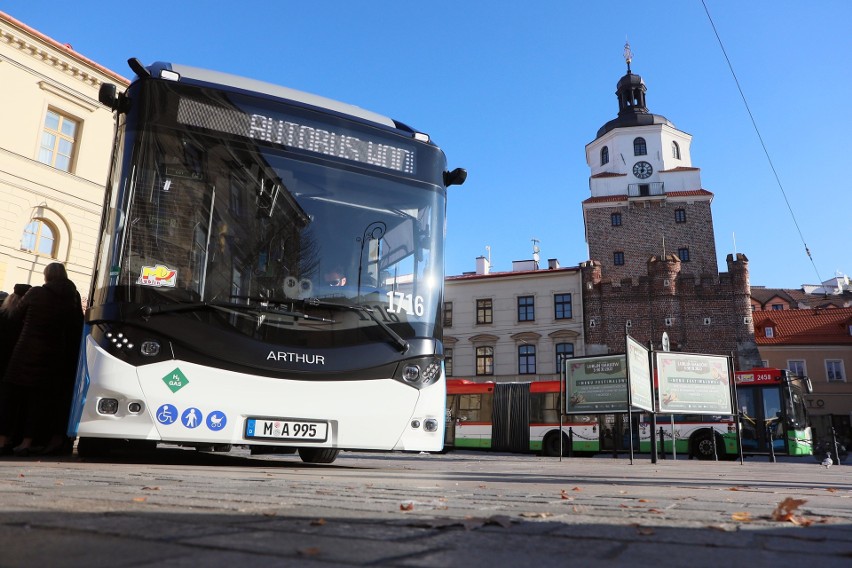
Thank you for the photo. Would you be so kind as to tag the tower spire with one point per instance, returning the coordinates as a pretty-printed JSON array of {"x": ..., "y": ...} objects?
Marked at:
[{"x": 628, "y": 56}]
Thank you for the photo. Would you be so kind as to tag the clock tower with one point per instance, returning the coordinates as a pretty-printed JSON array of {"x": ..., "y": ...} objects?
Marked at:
[{"x": 646, "y": 196}]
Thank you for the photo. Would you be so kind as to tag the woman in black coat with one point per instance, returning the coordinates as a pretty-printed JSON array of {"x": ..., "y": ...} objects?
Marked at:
[{"x": 39, "y": 379}]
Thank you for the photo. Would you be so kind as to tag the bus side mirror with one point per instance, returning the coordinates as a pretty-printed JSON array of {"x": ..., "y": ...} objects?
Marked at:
[
  {"x": 809, "y": 386},
  {"x": 455, "y": 177}
]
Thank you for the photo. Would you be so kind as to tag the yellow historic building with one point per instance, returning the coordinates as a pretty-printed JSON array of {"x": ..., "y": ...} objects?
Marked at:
[{"x": 55, "y": 140}]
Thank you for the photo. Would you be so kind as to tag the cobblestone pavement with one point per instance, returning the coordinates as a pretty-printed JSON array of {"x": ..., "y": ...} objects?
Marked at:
[{"x": 179, "y": 507}]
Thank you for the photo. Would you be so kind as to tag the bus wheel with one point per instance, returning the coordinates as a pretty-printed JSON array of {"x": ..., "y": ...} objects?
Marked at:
[
  {"x": 551, "y": 444},
  {"x": 702, "y": 447},
  {"x": 95, "y": 447},
  {"x": 318, "y": 455}
]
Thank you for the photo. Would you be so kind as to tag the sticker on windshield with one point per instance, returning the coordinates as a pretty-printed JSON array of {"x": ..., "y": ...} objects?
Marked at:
[
  {"x": 405, "y": 303},
  {"x": 157, "y": 276}
]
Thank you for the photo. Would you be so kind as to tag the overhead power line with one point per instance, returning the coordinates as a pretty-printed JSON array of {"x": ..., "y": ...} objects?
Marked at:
[{"x": 762, "y": 144}]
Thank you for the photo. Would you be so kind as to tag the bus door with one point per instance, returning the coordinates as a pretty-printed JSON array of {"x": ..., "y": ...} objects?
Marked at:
[
  {"x": 762, "y": 419},
  {"x": 511, "y": 417}
]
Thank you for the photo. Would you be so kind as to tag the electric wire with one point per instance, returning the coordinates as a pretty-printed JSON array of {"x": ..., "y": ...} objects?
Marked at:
[{"x": 760, "y": 137}]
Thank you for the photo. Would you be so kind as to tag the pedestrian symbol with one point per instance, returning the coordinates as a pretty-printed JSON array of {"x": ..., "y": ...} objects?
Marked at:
[{"x": 191, "y": 417}]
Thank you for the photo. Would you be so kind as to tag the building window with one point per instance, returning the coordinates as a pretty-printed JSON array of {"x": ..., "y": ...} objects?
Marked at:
[
  {"x": 769, "y": 332},
  {"x": 484, "y": 311},
  {"x": 639, "y": 147},
  {"x": 39, "y": 238},
  {"x": 680, "y": 215},
  {"x": 683, "y": 254},
  {"x": 604, "y": 156},
  {"x": 526, "y": 308},
  {"x": 777, "y": 307},
  {"x": 834, "y": 370},
  {"x": 58, "y": 140},
  {"x": 562, "y": 306},
  {"x": 618, "y": 258},
  {"x": 448, "y": 361},
  {"x": 675, "y": 150},
  {"x": 485, "y": 360},
  {"x": 615, "y": 219},
  {"x": 448, "y": 314},
  {"x": 563, "y": 351},
  {"x": 526, "y": 359},
  {"x": 797, "y": 368}
]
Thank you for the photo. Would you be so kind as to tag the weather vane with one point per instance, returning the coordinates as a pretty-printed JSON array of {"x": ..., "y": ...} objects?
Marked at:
[{"x": 628, "y": 55}]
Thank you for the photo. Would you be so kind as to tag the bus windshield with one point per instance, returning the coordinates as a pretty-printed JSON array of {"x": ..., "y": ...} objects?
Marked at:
[{"x": 212, "y": 217}]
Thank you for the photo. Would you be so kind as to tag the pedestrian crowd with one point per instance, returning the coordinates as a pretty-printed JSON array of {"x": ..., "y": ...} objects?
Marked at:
[{"x": 40, "y": 331}]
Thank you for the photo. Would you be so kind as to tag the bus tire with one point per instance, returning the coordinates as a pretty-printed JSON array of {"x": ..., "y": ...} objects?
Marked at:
[
  {"x": 318, "y": 455},
  {"x": 702, "y": 446},
  {"x": 550, "y": 446}
]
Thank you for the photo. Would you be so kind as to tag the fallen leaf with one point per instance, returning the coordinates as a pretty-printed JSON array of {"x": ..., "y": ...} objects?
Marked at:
[
  {"x": 741, "y": 516},
  {"x": 406, "y": 506},
  {"x": 535, "y": 515},
  {"x": 576, "y": 489},
  {"x": 317, "y": 522},
  {"x": 655, "y": 511},
  {"x": 564, "y": 494},
  {"x": 150, "y": 489},
  {"x": 644, "y": 500},
  {"x": 644, "y": 531},
  {"x": 140, "y": 499},
  {"x": 310, "y": 551},
  {"x": 785, "y": 509}
]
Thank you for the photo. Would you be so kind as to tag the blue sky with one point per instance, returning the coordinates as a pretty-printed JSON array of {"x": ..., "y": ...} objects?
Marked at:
[{"x": 513, "y": 91}]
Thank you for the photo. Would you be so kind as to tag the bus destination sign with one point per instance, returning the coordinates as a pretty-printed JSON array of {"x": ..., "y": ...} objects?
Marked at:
[{"x": 294, "y": 133}]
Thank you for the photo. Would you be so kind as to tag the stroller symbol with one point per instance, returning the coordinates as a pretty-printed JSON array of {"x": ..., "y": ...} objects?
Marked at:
[{"x": 216, "y": 420}]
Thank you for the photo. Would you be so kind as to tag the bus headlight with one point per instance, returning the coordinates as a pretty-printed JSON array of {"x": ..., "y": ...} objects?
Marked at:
[{"x": 419, "y": 372}]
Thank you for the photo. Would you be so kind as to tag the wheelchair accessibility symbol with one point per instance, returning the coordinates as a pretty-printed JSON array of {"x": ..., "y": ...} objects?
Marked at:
[{"x": 167, "y": 414}]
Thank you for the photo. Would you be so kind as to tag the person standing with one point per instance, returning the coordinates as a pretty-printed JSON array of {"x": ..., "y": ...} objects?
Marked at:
[{"x": 39, "y": 379}]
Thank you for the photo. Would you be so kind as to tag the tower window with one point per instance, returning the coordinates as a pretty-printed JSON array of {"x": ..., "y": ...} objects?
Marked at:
[
  {"x": 675, "y": 150},
  {"x": 683, "y": 254},
  {"x": 618, "y": 258},
  {"x": 680, "y": 215},
  {"x": 604, "y": 155},
  {"x": 615, "y": 218},
  {"x": 639, "y": 147}
]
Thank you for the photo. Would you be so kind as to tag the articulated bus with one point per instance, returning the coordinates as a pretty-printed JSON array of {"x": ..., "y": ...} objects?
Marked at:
[
  {"x": 515, "y": 417},
  {"x": 519, "y": 417},
  {"x": 773, "y": 419},
  {"x": 270, "y": 274}
]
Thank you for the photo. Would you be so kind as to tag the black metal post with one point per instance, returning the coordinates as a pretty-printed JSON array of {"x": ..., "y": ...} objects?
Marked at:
[
  {"x": 570, "y": 442},
  {"x": 771, "y": 443},
  {"x": 662, "y": 443}
]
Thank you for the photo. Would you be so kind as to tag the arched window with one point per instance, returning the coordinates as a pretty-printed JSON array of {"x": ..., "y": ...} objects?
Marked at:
[
  {"x": 604, "y": 155},
  {"x": 639, "y": 147},
  {"x": 675, "y": 151},
  {"x": 40, "y": 238}
]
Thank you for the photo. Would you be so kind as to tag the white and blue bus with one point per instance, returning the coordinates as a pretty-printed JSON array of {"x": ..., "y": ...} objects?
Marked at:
[{"x": 270, "y": 274}]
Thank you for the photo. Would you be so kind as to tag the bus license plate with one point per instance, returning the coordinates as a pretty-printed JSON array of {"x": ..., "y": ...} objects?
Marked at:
[{"x": 286, "y": 429}]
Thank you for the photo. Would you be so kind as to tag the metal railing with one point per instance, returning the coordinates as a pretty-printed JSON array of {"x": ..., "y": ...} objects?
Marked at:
[{"x": 645, "y": 189}]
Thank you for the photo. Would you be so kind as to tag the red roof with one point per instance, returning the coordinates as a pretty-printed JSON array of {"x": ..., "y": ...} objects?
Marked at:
[{"x": 804, "y": 327}]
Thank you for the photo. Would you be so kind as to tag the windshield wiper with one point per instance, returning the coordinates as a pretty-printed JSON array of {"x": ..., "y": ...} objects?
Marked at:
[
  {"x": 401, "y": 343},
  {"x": 156, "y": 309}
]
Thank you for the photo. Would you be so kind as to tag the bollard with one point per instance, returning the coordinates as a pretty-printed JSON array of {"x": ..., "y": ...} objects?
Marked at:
[
  {"x": 836, "y": 446},
  {"x": 662, "y": 443}
]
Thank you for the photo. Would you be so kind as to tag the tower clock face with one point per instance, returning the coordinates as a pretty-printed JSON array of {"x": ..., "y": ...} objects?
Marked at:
[{"x": 642, "y": 170}]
